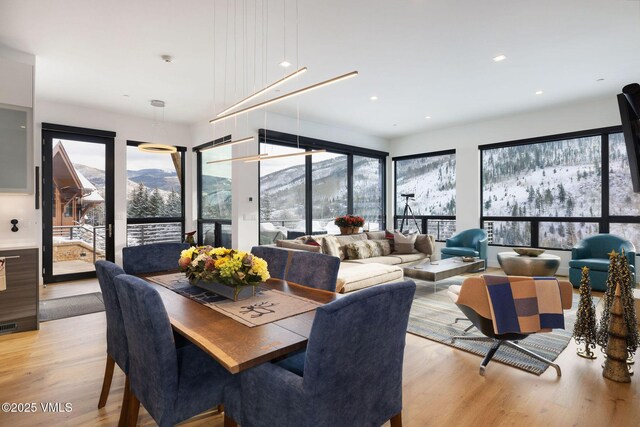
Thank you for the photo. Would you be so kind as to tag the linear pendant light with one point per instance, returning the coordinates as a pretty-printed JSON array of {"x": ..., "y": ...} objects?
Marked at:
[
  {"x": 245, "y": 158},
  {"x": 261, "y": 91},
  {"x": 286, "y": 96},
  {"x": 229, "y": 144},
  {"x": 280, "y": 156}
]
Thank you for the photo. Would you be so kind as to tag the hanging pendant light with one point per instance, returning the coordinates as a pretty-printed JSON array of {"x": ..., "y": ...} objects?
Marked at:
[
  {"x": 229, "y": 143},
  {"x": 245, "y": 158},
  {"x": 280, "y": 156},
  {"x": 152, "y": 147},
  {"x": 286, "y": 96}
]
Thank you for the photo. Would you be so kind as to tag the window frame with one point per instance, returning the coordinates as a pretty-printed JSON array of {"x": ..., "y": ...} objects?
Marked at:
[
  {"x": 271, "y": 137},
  {"x": 422, "y": 219},
  {"x": 200, "y": 221},
  {"x": 163, "y": 220},
  {"x": 605, "y": 218}
]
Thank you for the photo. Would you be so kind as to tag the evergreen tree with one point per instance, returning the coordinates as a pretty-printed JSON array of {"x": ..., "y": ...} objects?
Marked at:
[
  {"x": 155, "y": 205},
  {"x": 137, "y": 205},
  {"x": 173, "y": 206},
  {"x": 584, "y": 330}
]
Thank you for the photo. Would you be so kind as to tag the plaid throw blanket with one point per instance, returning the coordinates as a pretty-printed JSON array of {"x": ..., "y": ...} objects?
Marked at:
[{"x": 524, "y": 306}]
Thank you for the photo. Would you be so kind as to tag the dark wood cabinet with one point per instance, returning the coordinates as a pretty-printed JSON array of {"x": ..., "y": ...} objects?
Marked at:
[{"x": 19, "y": 302}]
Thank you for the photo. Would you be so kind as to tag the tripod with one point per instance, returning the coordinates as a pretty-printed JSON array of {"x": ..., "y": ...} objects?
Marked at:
[{"x": 407, "y": 211}]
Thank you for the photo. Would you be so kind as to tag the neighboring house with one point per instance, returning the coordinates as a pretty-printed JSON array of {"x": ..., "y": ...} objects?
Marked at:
[{"x": 74, "y": 195}]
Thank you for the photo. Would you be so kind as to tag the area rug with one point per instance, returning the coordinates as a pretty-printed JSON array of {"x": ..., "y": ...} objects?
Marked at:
[
  {"x": 433, "y": 317},
  {"x": 77, "y": 305}
]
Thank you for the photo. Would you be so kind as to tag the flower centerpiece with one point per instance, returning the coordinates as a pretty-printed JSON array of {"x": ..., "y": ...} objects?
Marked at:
[
  {"x": 349, "y": 224},
  {"x": 228, "y": 272}
]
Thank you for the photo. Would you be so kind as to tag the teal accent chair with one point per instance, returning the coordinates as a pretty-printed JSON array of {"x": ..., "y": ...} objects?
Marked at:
[
  {"x": 472, "y": 242},
  {"x": 593, "y": 252}
]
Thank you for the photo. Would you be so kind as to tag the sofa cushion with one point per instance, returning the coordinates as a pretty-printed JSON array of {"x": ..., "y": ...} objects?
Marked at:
[
  {"x": 384, "y": 245},
  {"x": 297, "y": 245},
  {"x": 597, "y": 264},
  {"x": 375, "y": 235},
  {"x": 405, "y": 258},
  {"x": 352, "y": 276},
  {"x": 387, "y": 260},
  {"x": 425, "y": 244},
  {"x": 332, "y": 247},
  {"x": 404, "y": 244},
  {"x": 453, "y": 251}
]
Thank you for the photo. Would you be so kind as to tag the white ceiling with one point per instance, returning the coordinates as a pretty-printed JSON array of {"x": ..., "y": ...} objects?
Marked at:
[{"x": 420, "y": 57}]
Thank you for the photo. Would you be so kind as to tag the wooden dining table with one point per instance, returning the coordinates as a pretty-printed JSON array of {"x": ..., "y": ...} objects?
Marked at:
[{"x": 234, "y": 345}]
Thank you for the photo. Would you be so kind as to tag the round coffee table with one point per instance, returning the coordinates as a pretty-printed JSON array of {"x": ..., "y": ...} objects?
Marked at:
[{"x": 522, "y": 265}]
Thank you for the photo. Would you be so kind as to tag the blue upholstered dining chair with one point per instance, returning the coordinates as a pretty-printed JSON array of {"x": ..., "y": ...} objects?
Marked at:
[
  {"x": 361, "y": 363},
  {"x": 172, "y": 384},
  {"x": 593, "y": 252},
  {"x": 152, "y": 258},
  {"x": 117, "y": 351},
  {"x": 472, "y": 242},
  {"x": 314, "y": 270},
  {"x": 276, "y": 259}
]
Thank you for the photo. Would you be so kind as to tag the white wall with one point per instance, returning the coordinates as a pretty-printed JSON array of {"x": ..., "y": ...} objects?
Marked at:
[
  {"x": 126, "y": 128},
  {"x": 590, "y": 114},
  {"x": 245, "y": 175}
]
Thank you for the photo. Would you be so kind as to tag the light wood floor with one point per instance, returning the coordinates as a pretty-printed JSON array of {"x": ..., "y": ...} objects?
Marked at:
[{"x": 64, "y": 362}]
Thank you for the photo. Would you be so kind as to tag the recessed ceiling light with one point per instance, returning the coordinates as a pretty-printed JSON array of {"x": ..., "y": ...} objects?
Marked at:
[
  {"x": 499, "y": 58},
  {"x": 374, "y": 98},
  {"x": 600, "y": 79},
  {"x": 23, "y": 127},
  {"x": 539, "y": 92},
  {"x": 285, "y": 64},
  {"x": 427, "y": 117},
  {"x": 167, "y": 58},
  {"x": 125, "y": 95},
  {"x": 395, "y": 124}
]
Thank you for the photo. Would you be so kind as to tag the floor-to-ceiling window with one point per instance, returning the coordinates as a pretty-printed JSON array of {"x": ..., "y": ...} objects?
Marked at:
[
  {"x": 155, "y": 201},
  {"x": 214, "y": 194},
  {"x": 304, "y": 194},
  {"x": 425, "y": 193},
  {"x": 551, "y": 192}
]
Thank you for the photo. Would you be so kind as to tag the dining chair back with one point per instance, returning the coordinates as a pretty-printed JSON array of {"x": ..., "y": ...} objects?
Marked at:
[
  {"x": 172, "y": 384},
  {"x": 117, "y": 351},
  {"x": 276, "y": 259},
  {"x": 314, "y": 270},
  {"x": 361, "y": 362},
  {"x": 152, "y": 258}
]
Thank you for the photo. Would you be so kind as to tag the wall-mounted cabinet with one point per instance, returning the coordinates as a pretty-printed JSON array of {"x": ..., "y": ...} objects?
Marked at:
[{"x": 16, "y": 157}]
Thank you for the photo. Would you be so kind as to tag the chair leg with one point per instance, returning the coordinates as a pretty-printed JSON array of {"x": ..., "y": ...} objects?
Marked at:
[
  {"x": 483, "y": 366},
  {"x": 106, "y": 382},
  {"x": 396, "y": 420},
  {"x": 535, "y": 356},
  {"x": 125, "y": 403},
  {"x": 229, "y": 422},
  {"x": 133, "y": 408},
  {"x": 220, "y": 408}
]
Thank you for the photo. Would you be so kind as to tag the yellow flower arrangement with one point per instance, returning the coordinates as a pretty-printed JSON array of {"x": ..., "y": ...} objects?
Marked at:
[{"x": 227, "y": 266}]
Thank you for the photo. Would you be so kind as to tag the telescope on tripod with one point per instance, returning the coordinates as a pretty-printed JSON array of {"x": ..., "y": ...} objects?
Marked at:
[{"x": 407, "y": 211}]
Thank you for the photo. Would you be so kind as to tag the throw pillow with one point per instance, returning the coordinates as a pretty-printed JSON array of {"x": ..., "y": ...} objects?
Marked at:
[
  {"x": 374, "y": 248},
  {"x": 384, "y": 246},
  {"x": 315, "y": 241},
  {"x": 358, "y": 250},
  {"x": 404, "y": 244},
  {"x": 424, "y": 244},
  {"x": 332, "y": 247},
  {"x": 375, "y": 235}
]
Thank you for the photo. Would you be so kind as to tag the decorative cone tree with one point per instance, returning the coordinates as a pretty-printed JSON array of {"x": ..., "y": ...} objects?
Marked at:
[
  {"x": 602, "y": 334},
  {"x": 629, "y": 309},
  {"x": 615, "y": 366},
  {"x": 584, "y": 330}
]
